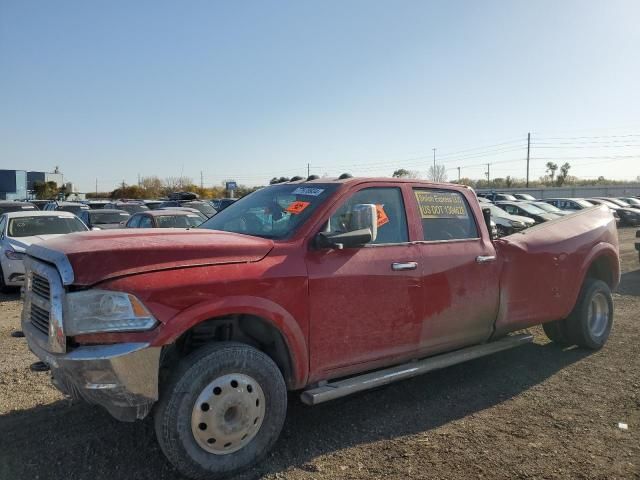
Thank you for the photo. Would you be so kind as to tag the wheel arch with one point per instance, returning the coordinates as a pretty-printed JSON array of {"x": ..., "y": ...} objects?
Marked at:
[{"x": 251, "y": 320}]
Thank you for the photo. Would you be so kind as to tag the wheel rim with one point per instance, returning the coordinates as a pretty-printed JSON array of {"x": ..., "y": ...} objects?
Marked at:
[
  {"x": 598, "y": 314},
  {"x": 228, "y": 413}
]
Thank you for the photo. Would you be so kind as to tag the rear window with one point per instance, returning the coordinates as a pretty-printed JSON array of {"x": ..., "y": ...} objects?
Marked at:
[
  {"x": 99, "y": 218},
  {"x": 445, "y": 215},
  {"x": 30, "y": 226},
  {"x": 178, "y": 221}
]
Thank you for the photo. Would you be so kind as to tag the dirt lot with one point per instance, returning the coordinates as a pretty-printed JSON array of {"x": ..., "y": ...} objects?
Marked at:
[{"x": 532, "y": 412}]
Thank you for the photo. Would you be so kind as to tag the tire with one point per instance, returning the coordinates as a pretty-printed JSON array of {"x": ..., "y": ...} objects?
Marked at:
[
  {"x": 555, "y": 331},
  {"x": 590, "y": 322},
  {"x": 244, "y": 394}
]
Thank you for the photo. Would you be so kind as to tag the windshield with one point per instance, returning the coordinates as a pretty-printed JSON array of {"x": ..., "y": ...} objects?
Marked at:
[
  {"x": 634, "y": 202},
  {"x": 599, "y": 201},
  {"x": 526, "y": 196},
  {"x": 30, "y": 226},
  {"x": 204, "y": 208},
  {"x": 103, "y": 218},
  {"x": 532, "y": 209},
  {"x": 583, "y": 203},
  {"x": 547, "y": 207},
  {"x": 178, "y": 221},
  {"x": 506, "y": 196},
  {"x": 620, "y": 203},
  {"x": 272, "y": 212}
]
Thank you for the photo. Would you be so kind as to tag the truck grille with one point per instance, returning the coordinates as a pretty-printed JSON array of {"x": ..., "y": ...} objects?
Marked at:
[
  {"x": 40, "y": 287},
  {"x": 43, "y": 305},
  {"x": 40, "y": 319}
]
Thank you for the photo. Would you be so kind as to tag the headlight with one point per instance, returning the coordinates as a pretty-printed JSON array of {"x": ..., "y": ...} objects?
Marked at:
[
  {"x": 517, "y": 224},
  {"x": 94, "y": 311},
  {"x": 13, "y": 255}
]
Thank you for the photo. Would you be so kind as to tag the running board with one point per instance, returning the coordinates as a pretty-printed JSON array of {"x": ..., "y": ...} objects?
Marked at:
[{"x": 342, "y": 388}]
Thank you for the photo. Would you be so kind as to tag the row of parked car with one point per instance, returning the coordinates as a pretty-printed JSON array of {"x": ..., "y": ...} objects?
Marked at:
[
  {"x": 25, "y": 223},
  {"x": 514, "y": 212}
]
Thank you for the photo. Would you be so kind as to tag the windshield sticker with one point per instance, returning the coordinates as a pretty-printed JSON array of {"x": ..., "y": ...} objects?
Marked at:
[
  {"x": 311, "y": 192},
  {"x": 297, "y": 207},
  {"x": 382, "y": 215},
  {"x": 440, "y": 204}
]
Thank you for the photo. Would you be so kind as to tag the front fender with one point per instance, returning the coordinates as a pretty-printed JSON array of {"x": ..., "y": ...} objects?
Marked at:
[{"x": 269, "y": 311}]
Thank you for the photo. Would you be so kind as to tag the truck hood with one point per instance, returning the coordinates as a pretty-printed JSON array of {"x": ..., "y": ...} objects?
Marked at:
[{"x": 90, "y": 257}]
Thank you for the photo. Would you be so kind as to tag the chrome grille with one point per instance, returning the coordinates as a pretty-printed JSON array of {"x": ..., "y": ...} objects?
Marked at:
[
  {"x": 40, "y": 319},
  {"x": 40, "y": 286}
]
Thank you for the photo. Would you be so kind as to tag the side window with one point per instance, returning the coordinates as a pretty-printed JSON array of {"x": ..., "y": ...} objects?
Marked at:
[
  {"x": 145, "y": 221},
  {"x": 2, "y": 224},
  {"x": 511, "y": 209},
  {"x": 392, "y": 218},
  {"x": 445, "y": 215},
  {"x": 134, "y": 222}
]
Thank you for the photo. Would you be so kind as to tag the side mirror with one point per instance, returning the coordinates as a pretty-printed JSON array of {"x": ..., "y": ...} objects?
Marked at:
[
  {"x": 486, "y": 213},
  {"x": 361, "y": 225}
]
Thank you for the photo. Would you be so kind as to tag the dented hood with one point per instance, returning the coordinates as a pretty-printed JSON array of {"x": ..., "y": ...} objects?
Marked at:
[{"x": 100, "y": 255}]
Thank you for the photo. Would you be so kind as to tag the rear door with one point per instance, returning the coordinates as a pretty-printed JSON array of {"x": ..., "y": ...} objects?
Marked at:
[{"x": 460, "y": 272}]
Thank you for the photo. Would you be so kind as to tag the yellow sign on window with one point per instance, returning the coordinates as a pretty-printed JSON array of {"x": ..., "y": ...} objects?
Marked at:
[{"x": 440, "y": 204}]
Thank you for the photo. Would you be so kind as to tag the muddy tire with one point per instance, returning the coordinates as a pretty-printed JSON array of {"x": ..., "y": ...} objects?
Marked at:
[
  {"x": 221, "y": 410},
  {"x": 590, "y": 322},
  {"x": 555, "y": 331}
]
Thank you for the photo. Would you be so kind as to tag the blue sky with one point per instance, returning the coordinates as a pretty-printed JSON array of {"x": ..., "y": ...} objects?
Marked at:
[{"x": 253, "y": 89}]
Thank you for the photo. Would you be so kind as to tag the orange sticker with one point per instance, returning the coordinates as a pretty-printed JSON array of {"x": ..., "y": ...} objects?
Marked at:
[
  {"x": 297, "y": 207},
  {"x": 382, "y": 216}
]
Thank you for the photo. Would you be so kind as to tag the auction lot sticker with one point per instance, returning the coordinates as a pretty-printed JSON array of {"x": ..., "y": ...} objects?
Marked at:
[
  {"x": 309, "y": 191},
  {"x": 440, "y": 204},
  {"x": 297, "y": 207}
]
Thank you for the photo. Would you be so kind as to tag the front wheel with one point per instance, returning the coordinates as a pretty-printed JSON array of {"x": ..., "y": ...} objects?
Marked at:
[{"x": 221, "y": 411}]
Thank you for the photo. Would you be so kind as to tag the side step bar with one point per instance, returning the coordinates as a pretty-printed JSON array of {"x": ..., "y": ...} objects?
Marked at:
[{"x": 342, "y": 388}]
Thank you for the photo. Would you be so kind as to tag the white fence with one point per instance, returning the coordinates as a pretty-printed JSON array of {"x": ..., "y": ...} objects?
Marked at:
[{"x": 573, "y": 192}]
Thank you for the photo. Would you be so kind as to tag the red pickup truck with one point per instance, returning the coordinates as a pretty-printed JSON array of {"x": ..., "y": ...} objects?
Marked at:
[{"x": 326, "y": 287}]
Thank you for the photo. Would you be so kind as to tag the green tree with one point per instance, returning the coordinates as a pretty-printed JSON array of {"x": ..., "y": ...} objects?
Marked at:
[
  {"x": 564, "y": 172},
  {"x": 551, "y": 170},
  {"x": 45, "y": 190}
]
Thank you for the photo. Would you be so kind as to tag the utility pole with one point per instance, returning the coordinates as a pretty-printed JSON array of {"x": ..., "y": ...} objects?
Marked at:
[
  {"x": 458, "y": 174},
  {"x": 434, "y": 161},
  {"x": 96, "y": 188},
  {"x": 201, "y": 180},
  {"x": 528, "y": 150},
  {"x": 139, "y": 182},
  {"x": 308, "y": 170},
  {"x": 488, "y": 172}
]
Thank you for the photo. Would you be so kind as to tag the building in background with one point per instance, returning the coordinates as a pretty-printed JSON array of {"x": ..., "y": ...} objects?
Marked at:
[
  {"x": 19, "y": 184},
  {"x": 13, "y": 184}
]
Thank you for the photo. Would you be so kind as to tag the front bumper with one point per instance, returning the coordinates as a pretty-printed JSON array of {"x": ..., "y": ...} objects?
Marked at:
[{"x": 122, "y": 377}]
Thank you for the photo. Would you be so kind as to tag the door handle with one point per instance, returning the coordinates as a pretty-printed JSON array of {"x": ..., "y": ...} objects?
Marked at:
[
  {"x": 399, "y": 266},
  {"x": 485, "y": 258}
]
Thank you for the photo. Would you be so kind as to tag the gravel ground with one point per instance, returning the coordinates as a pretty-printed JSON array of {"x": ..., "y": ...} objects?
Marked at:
[{"x": 533, "y": 412}]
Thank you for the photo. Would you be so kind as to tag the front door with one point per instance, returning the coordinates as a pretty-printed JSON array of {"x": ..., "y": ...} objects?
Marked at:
[{"x": 363, "y": 300}]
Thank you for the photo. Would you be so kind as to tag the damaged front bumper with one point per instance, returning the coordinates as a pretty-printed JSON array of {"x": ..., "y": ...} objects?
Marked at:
[{"x": 122, "y": 377}]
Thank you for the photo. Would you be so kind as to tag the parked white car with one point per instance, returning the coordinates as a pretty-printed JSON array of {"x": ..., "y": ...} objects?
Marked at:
[
  {"x": 18, "y": 230},
  {"x": 507, "y": 223}
]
